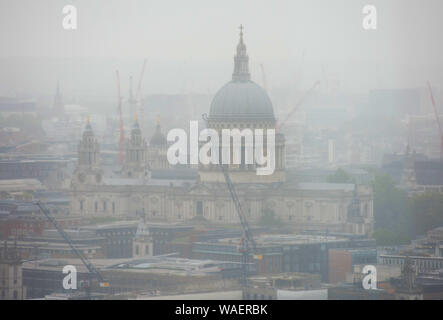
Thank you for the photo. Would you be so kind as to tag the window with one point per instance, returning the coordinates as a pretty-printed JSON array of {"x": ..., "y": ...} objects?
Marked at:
[
  {"x": 15, "y": 274},
  {"x": 199, "y": 208}
]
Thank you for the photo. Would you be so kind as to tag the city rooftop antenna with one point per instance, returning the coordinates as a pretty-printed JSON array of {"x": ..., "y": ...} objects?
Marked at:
[
  {"x": 437, "y": 119},
  {"x": 138, "y": 96},
  {"x": 122, "y": 133}
]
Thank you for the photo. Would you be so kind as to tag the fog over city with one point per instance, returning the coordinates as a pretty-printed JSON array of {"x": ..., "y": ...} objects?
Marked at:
[
  {"x": 187, "y": 42},
  {"x": 221, "y": 150}
]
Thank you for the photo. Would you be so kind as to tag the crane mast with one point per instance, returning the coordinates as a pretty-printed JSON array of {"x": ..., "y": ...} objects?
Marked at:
[
  {"x": 247, "y": 240},
  {"x": 265, "y": 83},
  {"x": 138, "y": 97},
  {"x": 437, "y": 119},
  {"x": 295, "y": 108},
  {"x": 122, "y": 134}
]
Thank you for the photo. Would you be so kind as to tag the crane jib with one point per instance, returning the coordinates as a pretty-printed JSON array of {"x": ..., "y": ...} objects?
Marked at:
[{"x": 66, "y": 237}]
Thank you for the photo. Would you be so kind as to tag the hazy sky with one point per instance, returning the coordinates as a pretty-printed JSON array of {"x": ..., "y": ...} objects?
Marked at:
[{"x": 191, "y": 43}]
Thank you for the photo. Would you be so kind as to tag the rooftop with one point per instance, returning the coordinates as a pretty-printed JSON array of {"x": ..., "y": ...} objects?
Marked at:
[
  {"x": 326, "y": 186},
  {"x": 111, "y": 225},
  {"x": 282, "y": 239},
  {"x": 20, "y": 185},
  {"x": 149, "y": 264},
  {"x": 145, "y": 182},
  {"x": 429, "y": 172}
]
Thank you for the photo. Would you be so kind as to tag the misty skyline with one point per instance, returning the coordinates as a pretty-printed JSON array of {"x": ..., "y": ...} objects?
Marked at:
[{"x": 190, "y": 45}]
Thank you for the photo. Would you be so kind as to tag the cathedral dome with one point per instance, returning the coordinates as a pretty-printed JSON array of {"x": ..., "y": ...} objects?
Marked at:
[{"x": 241, "y": 100}]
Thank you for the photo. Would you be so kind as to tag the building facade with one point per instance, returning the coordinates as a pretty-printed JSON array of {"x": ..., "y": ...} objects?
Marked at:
[
  {"x": 240, "y": 104},
  {"x": 11, "y": 286}
]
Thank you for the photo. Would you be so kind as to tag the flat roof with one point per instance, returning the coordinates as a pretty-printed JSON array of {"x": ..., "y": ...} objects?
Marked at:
[
  {"x": 163, "y": 264},
  {"x": 146, "y": 182},
  {"x": 325, "y": 186},
  {"x": 293, "y": 239},
  {"x": 20, "y": 185},
  {"x": 110, "y": 225}
]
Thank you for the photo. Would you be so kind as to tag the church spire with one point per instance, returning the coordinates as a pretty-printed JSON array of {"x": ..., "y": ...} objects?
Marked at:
[
  {"x": 88, "y": 126},
  {"x": 58, "y": 106},
  {"x": 241, "y": 61},
  {"x": 136, "y": 125}
]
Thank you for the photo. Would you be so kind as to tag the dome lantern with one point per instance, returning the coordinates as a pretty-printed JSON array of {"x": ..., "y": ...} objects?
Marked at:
[{"x": 241, "y": 99}]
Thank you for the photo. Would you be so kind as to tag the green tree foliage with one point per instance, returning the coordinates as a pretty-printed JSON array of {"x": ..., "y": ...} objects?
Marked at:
[
  {"x": 340, "y": 176},
  {"x": 392, "y": 212},
  {"x": 399, "y": 218},
  {"x": 387, "y": 237},
  {"x": 427, "y": 211}
]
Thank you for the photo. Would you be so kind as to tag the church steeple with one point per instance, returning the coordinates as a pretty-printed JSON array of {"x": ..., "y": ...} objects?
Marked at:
[
  {"x": 136, "y": 133},
  {"x": 158, "y": 139},
  {"x": 88, "y": 149},
  {"x": 241, "y": 61},
  {"x": 88, "y": 167},
  {"x": 135, "y": 165},
  {"x": 58, "y": 106}
]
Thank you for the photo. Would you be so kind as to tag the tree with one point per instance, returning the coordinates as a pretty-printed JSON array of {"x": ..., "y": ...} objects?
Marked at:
[
  {"x": 387, "y": 237},
  {"x": 340, "y": 176},
  {"x": 392, "y": 212},
  {"x": 427, "y": 211}
]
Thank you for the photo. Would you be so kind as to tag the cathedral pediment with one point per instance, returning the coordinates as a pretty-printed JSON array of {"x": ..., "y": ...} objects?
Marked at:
[{"x": 203, "y": 189}]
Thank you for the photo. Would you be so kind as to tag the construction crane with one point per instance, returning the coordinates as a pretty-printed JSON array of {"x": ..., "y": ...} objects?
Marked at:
[
  {"x": 247, "y": 241},
  {"x": 92, "y": 270},
  {"x": 138, "y": 97},
  {"x": 122, "y": 133},
  {"x": 131, "y": 100},
  {"x": 265, "y": 83},
  {"x": 440, "y": 131},
  {"x": 278, "y": 126}
]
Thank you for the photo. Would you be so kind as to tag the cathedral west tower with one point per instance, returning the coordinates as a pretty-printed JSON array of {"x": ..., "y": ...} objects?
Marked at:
[
  {"x": 136, "y": 162},
  {"x": 88, "y": 169}
]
